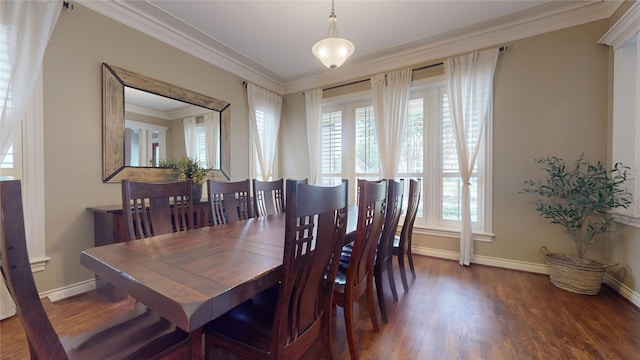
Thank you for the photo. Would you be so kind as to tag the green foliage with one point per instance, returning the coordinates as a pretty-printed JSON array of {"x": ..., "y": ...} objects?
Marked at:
[
  {"x": 579, "y": 197},
  {"x": 187, "y": 168}
]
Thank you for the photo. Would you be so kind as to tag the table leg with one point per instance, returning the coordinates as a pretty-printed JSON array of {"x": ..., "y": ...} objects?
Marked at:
[{"x": 197, "y": 351}]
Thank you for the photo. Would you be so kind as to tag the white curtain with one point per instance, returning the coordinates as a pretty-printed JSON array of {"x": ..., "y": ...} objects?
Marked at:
[
  {"x": 390, "y": 98},
  {"x": 313, "y": 110},
  {"x": 470, "y": 88},
  {"x": 268, "y": 105},
  {"x": 145, "y": 147},
  {"x": 189, "y": 125},
  {"x": 212, "y": 138},
  {"x": 29, "y": 24}
]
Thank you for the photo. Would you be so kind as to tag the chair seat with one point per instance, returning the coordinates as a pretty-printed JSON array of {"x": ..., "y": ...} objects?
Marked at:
[
  {"x": 252, "y": 322},
  {"x": 139, "y": 333},
  {"x": 345, "y": 259}
]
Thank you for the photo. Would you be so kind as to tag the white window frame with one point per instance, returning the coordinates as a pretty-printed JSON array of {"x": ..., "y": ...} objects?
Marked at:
[
  {"x": 29, "y": 168},
  {"x": 624, "y": 38},
  {"x": 431, "y": 202},
  {"x": 347, "y": 105}
]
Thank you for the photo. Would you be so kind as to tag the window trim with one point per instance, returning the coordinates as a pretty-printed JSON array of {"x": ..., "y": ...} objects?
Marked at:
[
  {"x": 624, "y": 38},
  {"x": 484, "y": 232}
]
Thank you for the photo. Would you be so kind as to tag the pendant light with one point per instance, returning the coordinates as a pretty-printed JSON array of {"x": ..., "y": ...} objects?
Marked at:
[{"x": 333, "y": 51}]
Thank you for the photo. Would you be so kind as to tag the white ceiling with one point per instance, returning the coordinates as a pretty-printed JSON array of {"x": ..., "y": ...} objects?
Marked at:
[{"x": 269, "y": 42}]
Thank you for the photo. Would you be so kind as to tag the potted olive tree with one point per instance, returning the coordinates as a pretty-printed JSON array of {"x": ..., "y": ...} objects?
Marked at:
[{"x": 578, "y": 197}]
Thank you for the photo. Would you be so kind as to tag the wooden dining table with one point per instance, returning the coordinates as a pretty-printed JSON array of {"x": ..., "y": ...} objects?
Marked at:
[{"x": 192, "y": 277}]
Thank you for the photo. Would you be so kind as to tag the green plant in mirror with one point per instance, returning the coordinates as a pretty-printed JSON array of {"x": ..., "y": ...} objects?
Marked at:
[
  {"x": 579, "y": 197},
  {"x": 187, "y": 168}
]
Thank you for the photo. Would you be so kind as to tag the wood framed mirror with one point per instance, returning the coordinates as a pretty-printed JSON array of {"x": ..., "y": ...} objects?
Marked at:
[{"x": 115, "y": 151}]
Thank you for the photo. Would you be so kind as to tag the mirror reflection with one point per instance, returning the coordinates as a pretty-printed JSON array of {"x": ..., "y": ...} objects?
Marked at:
[
  {"x": 145, "y": 126},
  {"x": 159, "y": 128}
]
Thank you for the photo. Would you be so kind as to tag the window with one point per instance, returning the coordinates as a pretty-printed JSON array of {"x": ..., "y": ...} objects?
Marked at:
[
  {"x": 26, "y": 159},
  {"x": 350, "y": 150},
  {"x": 349, "y": 145},
  {"x": 10, "y": 166},
  {"x": 624, "y": 37},
  {"x": 201, "y": 144},
  {"x": 331, "y": 172}
]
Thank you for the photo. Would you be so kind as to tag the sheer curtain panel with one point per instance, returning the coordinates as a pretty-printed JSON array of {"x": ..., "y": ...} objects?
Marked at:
[
  {"x": 212, "y": 138},
  {"x": 25, "y": 29},
  {"x": 470, "y": 87},
  {"x": 145, "y": 147},
  {"x": 189, "y": 125},
  {"x": 265, "y": 108},
  {"x": 390, "y": 94},
  {"x": 313, "y": 110}
]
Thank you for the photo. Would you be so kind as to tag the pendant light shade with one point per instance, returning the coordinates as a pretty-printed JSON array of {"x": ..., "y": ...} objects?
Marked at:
[{"x": 333, "y": 51}]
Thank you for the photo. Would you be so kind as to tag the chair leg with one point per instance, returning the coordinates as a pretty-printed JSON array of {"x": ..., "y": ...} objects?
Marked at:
[
  {"x": 403, "y": 273},
  {"x": 372, "y": 305},
  {"x": 392, "y": 279},
  {"x": 410, "y": 258},
  {"x": 326, "y": 336},
  {"x": 350, "y": 328},
  {"x": 381, "y": 304}
]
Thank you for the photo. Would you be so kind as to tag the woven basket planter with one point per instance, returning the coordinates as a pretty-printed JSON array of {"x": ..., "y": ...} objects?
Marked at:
[{"x": 582, "y": 276}]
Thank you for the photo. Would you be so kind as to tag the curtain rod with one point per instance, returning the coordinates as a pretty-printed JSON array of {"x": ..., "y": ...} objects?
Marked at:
[
  {"x": 502, "y": 48},
  {"x": 244, "y": 85}
]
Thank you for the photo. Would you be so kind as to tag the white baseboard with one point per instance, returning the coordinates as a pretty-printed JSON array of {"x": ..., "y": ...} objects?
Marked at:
[
  {"x": 68, "y": 291},
  {"x": 621, "y": 288},
  {"x": 625, "y": 291},
  {"x": 484, "y": 260}
]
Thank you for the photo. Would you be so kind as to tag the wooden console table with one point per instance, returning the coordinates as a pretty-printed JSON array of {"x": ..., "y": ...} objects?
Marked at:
[{"x": 108, "y": 223}]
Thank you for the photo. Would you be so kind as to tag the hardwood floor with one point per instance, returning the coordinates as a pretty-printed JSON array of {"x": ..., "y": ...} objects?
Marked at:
[{"x": 450, "y": 312}]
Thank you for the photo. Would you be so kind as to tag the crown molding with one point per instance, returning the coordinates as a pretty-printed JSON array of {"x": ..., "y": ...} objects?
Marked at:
[
  {"x": 497, "y": 35},
  {"x": 627, "y": 27},
  {"x": 171, "y": 35},
  {"x": 571, "y": 15}
]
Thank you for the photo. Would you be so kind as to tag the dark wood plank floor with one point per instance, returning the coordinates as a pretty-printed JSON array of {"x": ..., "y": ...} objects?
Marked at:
[{"x": 450, "y": 312}]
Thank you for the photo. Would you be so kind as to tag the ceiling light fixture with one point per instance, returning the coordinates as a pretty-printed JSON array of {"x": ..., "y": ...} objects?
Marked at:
[{"x": 333, "y": 51}]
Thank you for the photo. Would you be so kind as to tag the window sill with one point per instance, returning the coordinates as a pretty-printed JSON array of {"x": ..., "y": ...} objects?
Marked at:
[
  {"x": 455, "y": 234},
  {"x": 38, "y": 265},
  {"x": 627, "y": 220}
]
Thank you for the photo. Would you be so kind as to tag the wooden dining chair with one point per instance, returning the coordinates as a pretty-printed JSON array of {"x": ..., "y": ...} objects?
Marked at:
[
  {"x": 268, "y": 197},
  {"x": 355, "y": 273},
  {"x": 384, "y": 253},
  {"x": 229, "y": 201},
  {"x": 156, "y": 208},
  {"x": 402, "y": 243},
  {"x": 137, "y": 334},
  {"x": 287, "y": 319}
]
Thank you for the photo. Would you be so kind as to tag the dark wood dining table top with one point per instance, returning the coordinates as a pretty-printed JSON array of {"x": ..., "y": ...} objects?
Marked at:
[{"x": 194, "y": 276}]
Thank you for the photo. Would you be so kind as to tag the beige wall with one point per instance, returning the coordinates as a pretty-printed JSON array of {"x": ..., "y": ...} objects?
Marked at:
[
  {"x": 81, "y": 42},
  {"x": 551, "y": 98}
]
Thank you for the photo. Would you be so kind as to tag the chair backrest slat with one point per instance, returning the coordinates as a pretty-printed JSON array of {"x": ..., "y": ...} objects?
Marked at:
[
  {"x": 371, "y": 214},
  {"x": 395, "y": 193},
  {"x": 156, "y": 208},
  {"x": 229, "y": 201},
  {"x": 412, "y": 211},
  {"x": 16, "y": 272},
  {"x": 269, "y": 197},
  {"x": 316, "y": 219}
]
